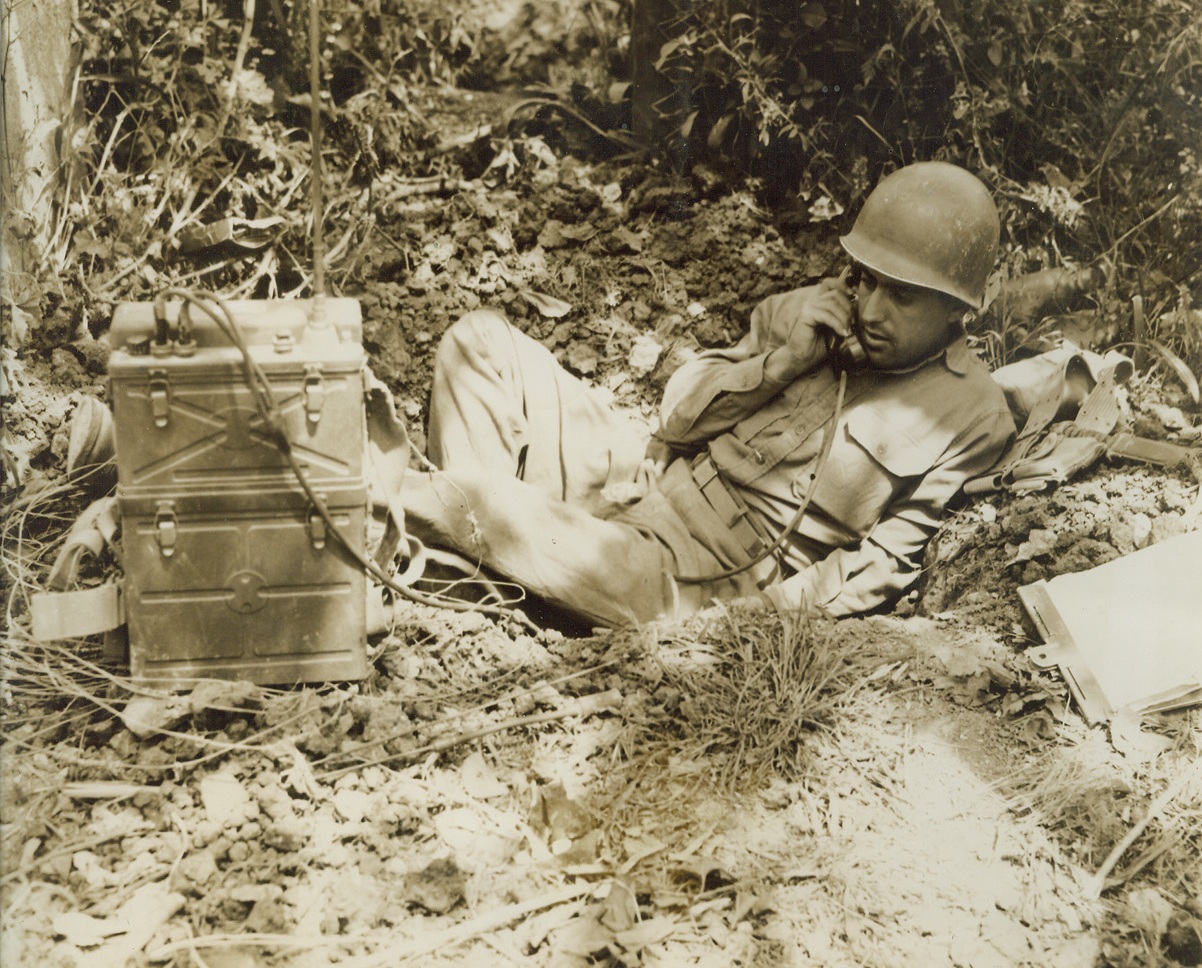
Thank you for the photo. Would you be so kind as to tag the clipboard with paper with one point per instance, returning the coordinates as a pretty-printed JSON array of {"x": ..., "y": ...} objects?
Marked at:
[{"x": 1126, "y": 634}]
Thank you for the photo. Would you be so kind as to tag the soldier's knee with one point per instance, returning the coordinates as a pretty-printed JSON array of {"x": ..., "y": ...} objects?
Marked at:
[
  {"x": 481, "y": 339},
  {"x": 477, "y": 328}
]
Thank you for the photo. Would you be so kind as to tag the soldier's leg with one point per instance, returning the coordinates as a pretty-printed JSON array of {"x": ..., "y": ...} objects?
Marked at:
[
  {"x": 500, "y": 403},
  {"x": 608, "y": 571}
]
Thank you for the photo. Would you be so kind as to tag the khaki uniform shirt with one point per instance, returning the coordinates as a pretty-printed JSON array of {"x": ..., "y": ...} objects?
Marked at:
[{"x": 905, "y": 444}]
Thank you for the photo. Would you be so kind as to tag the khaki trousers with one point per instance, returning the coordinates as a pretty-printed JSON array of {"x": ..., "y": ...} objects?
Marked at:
[{"x": 529, "y": 457}]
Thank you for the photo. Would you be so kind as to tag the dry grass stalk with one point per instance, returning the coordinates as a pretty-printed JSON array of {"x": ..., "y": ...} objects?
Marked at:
[
  {"x": 750, "y": 689},
  {"x": 1074, "y": 796},
  {"x": 1187, "y": 787}
]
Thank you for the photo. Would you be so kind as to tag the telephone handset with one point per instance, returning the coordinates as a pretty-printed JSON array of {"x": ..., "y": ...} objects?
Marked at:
[{"x": 847, "y": 353}]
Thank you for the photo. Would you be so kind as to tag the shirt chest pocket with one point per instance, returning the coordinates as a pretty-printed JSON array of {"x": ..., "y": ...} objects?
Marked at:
[{"x": 873, "y": 460}]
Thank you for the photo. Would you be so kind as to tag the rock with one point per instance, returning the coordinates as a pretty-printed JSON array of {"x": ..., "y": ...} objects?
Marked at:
[
  {"x": 288, "y": 834},
  {"x": 351, "y": 805},
  {"x": 193, "y": 872},
  {"x": 225, "y": 798},
  {"x": 438, "y": 887}
]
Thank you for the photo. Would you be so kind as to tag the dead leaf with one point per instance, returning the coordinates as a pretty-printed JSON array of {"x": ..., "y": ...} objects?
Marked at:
[
  {"x": 1039, "y": 542},
  {"x": 242, "y": 233},
  {"x": 547, "y": 306},
  {"x": 146, "y": 715},
  {"x": 558, "y": 814},
  {"x": 626, "y": 239},
  {"x": 551, "y": 236},
  {"x": 582, "y": 937},
  {"x": 802, "y": 872},
  {"x": 644, "y": 354},
  {"x": 438, "y": 887},
  {"x": 1038, "y": 727},
  {"x": 478, "y": 838},
  {"x": 147, "y": 910},
  {"x": 220, "y": 693},
  {"x": 579, "y": 854},
  {"x": 83, "y": 930},
  {"x": 478, "y": 778},
  {"x": 621, "y": 911},
  {"x": 645, "y": 933},
  {"x": 1178, "y": 366},
  {"x": 578, "y": 233},
  {"x": 1128, "y": 736}
]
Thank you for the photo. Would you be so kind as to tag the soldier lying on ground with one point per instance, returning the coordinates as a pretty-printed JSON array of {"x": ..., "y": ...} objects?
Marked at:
[{"x": 547, "y": 486}]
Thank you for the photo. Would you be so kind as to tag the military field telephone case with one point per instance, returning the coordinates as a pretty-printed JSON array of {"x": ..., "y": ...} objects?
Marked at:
[{"x": 229, "y": 569}]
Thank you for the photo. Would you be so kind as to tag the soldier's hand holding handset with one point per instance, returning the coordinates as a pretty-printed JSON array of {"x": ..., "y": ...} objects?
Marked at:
[{"x": 821, "y": 325}]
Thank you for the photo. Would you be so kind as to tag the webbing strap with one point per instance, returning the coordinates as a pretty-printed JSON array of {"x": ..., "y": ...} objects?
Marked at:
[
  {"x": 728, "y": 507},
  {"x": 72, "y": 615},
  {"x": 92, "y": 530},
  {"x": 1056, "y": 397},
  {"x": 61, "y": 614}
]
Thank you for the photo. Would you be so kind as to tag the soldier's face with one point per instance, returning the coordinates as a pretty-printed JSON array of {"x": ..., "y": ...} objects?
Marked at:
[{"x": 900, "y": 325}]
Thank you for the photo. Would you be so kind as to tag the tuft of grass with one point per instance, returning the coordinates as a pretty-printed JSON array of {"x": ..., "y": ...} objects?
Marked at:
[{"x": 738, "y": 698}]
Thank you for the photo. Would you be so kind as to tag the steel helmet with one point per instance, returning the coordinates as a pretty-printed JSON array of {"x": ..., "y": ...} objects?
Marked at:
[{"x": 932, "y": 225}]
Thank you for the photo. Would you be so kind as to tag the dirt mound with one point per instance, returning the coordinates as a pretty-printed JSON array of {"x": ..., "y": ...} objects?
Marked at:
[{"x": 984, "y": 553}]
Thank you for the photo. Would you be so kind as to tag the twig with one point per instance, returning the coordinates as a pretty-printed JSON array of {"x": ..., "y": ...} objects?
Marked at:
[
  {"x": 457, "y": 935},
  {"x": 65, "y": 851},
  {"x": 1098, "y": 882},
  {"x": 433, "y": 185},
  {"x": 481, "y": 707},
  {"x": 462, "y": 933},
  {"x": 1139, "y": 225},
  {"x": 1139, "y": 334},
  {"x": 231, "y": 92},
  {"x": 255, "y": 939},
  {"x": 583, "y": 706},
  {"x": 105, "y": 790}
]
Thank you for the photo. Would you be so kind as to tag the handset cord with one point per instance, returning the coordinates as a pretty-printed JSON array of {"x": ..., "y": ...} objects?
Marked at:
[
  {"x": 819, "y": 466},
  {"x": 259, "y": 385}
]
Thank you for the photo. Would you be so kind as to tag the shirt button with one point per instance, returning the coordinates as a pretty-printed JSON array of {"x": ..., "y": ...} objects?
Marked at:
[{"x": 880, "y": 450}]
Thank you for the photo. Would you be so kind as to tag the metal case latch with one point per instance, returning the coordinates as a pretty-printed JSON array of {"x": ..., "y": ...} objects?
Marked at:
[
  {"x": 165, "y": 527},
  {"x": 317, "y": 529},
  {"x": 159, "y": 391},
  {"x": 314, "y": 392}
]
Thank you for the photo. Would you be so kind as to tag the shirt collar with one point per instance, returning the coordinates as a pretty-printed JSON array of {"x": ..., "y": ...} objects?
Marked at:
[{"x": 958, "y": 355}]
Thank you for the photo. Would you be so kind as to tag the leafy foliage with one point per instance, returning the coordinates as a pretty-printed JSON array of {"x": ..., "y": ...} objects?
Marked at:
[
  {"x": 193, "y": 113},
  {"x": 1084, "y": 116}
]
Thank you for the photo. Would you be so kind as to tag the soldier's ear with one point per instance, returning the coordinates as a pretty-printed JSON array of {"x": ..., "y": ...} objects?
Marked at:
[{"x": 956, "y": 310}]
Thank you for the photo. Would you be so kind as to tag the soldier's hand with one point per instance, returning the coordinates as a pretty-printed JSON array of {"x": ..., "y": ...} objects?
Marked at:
[
  {"x": 828, "y": 310},
  {"x": 658, "y": 454}
]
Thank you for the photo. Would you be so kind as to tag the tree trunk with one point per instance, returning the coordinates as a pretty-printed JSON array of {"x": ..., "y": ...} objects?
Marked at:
[
  {"x": 39, "y": 63},
  {"x": 654, "y": 96}
]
